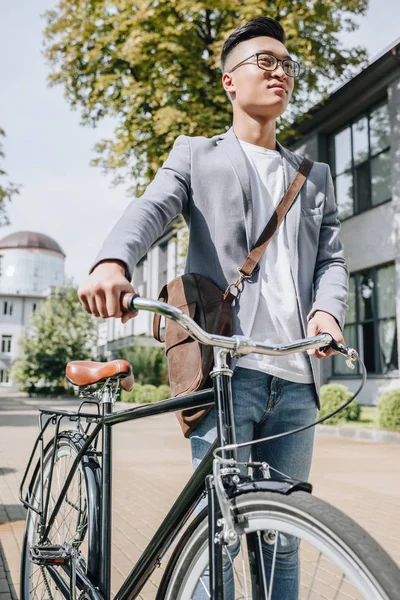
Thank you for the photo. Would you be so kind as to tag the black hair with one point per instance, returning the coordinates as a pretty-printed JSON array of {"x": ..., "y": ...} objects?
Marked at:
[{"x": 261, "y": 26}]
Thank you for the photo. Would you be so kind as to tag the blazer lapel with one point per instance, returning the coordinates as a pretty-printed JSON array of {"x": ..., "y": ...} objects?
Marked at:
[
  {"x": 229, "y": 144},
  {"x": 290, "y": 167}
]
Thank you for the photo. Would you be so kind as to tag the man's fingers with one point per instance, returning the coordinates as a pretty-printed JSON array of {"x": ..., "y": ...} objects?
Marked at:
[
  {"x": 93, "y": 306},
  {"x": 101, "y": 304},
  {"x": 113, "y": 302},
  {"x": 84, "y": 302}
]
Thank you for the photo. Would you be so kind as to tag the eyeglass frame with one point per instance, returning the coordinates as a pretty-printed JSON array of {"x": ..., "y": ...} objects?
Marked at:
[{"x": 278, "y": 62}]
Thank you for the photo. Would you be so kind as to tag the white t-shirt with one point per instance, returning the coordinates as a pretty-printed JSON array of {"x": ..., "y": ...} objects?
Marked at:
[{"x": 277, "y": 319}]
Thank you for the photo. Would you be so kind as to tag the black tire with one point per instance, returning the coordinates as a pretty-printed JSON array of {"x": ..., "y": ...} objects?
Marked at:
[
  {"x": 369, "y": 569},
  {"x": 82, "y": 534}
]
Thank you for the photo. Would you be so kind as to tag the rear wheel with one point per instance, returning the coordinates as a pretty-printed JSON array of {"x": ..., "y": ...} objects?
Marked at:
[
  {"x": 338, "y": 559},
  {"x": 76, "y": 523}
]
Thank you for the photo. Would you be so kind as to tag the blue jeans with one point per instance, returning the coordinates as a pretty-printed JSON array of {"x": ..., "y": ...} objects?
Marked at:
[{"x": 264, "y": 405}]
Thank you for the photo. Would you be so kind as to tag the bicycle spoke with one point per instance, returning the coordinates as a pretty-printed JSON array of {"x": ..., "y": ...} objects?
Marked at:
[
  {"x": 204, "y": 587},
  {"x": 262, "y": 569},
  {"x": 271, "y": 579}
]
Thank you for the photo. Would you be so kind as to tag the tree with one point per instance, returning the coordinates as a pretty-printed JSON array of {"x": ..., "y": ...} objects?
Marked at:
[
  {"x": 60, "y": 331},
  {"x": 7, "y": 191},
  {"x": 154, "y": 66}
]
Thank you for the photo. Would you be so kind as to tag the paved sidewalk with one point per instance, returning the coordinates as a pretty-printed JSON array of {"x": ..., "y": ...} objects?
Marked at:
[{"x": 360, "y": 477}]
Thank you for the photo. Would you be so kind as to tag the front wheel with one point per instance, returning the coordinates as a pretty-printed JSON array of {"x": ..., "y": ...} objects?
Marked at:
[{"x": 338, "y": 559}]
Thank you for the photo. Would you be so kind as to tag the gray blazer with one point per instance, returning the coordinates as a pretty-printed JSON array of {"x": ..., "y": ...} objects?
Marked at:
[{"x": 206, "y": 179}]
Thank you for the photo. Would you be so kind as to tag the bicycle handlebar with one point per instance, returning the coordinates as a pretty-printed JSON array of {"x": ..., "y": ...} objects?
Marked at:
[{"x": 237, "y": 344}]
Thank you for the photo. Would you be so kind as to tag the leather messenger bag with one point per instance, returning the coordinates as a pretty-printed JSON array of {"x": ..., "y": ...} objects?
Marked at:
[{"x": 189, "y": 362}]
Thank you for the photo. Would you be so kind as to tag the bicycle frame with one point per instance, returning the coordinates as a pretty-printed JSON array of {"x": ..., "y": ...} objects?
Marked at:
[{"x": 201, "y": 480}]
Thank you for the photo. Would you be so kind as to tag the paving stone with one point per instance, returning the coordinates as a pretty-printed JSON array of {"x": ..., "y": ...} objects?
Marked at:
[{"x": 152, "y": 464}]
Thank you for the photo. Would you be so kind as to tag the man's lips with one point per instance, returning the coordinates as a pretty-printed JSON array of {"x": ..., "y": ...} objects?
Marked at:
[{"x": 277, "y": 86}]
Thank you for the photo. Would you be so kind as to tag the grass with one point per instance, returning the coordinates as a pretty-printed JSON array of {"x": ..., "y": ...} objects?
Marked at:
[{"x": 369, "y": 419}]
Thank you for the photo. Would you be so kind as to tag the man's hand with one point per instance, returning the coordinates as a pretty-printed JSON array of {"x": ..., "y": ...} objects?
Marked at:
[
  {"x": 100, "y": 294},
  {"x": 323, "y": 322}
]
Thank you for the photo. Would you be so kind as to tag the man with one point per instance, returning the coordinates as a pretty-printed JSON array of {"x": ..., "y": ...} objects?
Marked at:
[{"x": 227, "y": 188}]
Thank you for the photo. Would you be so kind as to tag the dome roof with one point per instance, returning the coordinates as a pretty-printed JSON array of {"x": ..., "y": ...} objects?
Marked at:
[{"x": 30, "y": 239}]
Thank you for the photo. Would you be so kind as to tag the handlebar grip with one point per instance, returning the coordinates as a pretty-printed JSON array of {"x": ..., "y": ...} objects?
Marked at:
[{"x": 128, "y": 302}]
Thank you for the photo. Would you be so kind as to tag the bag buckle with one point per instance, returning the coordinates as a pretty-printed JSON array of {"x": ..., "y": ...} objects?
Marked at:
[{"x": 236, "y": 285}]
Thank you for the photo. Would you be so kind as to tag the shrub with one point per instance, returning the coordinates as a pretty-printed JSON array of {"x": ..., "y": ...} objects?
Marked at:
[
  {"x": 146, "y": 394},
  {"x": 389, "y": 410},
  {"x": 130, "y": 396},
  {"x": 149, "y": 364},
  {"x": 162, "y": 393},
  {"x": 334, "y": 395}
]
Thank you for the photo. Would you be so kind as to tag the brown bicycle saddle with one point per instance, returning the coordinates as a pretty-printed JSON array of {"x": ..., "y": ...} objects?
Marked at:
[{"x": 87, "y": 372}]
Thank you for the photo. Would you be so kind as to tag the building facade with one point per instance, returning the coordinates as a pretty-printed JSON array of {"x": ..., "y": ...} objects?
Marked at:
[
  {"x": 31, "y": 265},
  {"x": 357, "y": 132}
]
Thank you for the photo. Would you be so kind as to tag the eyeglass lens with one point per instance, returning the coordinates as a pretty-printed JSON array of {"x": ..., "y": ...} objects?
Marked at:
[{"x": 268, "y": 62}]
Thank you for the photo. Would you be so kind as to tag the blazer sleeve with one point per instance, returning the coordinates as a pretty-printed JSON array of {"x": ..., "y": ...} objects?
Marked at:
[
  {"x": 146, "y": 218},
  {"x": 331, "y": 276}
]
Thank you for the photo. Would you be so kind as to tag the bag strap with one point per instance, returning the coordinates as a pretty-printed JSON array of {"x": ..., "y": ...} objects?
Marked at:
[
  {"x": 163, "y": 297},
  {"x": 251, "y": 262}
]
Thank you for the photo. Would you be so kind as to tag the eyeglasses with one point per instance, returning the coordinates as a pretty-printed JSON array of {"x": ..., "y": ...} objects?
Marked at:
[{"x": 269, "y": 62}]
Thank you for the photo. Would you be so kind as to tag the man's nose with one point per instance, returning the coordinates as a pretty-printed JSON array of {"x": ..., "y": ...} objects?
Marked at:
[{"x": 278, "y": 71}]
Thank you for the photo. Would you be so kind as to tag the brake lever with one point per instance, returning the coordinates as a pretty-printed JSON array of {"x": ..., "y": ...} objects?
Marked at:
[{"x": 350, "y": 353}]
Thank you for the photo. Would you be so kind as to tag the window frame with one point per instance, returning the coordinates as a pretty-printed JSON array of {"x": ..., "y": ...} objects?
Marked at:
[
  {"x": 6, "y": 339},
  {"x": 376, "y": 320},
  {"x": 352, "y": 170},
  {"x": 5, "y": 378}
]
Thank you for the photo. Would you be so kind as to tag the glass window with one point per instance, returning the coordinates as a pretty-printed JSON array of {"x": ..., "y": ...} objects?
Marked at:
[
  {"x": 4, "y": 376},
  {"x": 381, "y": 178},
  {"x": 379, "y": 126},
  {"x": 6, "y": 343},
  {"x": 386, "y": 291},
  {"x": 344, "y": 194},
  {"x": 388, "y": 356},
  {"x": 360, "y": 140},
  {"x": 371, "y": 325},
  {"x": 361, "y": 163},
  {"x": 343, "y": 151},
  {"x": 366, "y": 296},
  {"x": 8, "y": 308},
  {"x": 362, "y": 180}
]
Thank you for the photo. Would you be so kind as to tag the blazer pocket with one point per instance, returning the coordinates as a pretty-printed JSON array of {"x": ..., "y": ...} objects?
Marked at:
[{"x": 311, "y": 211}]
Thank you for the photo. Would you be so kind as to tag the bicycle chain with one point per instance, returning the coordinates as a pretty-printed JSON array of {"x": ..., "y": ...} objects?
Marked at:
[{"x": 46, "y": 583}]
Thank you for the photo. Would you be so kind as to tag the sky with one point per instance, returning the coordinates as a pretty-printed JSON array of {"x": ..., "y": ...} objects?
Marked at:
[{"x": 48, "y": 151}]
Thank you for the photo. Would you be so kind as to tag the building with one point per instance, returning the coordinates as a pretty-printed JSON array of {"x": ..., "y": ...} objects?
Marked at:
[
  {"x": 31, "y": 264},
  {"x": 357, "y": 131}
]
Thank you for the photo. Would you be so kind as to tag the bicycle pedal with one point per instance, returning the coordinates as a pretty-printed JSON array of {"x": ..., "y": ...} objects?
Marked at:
[{"x": 49, "y": 554}]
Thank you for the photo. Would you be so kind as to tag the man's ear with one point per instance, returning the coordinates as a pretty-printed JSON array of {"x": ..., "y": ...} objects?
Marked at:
[{"x": 227, "y": 83}]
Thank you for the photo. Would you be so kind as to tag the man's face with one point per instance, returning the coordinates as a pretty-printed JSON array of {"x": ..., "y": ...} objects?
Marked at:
[{"x": 259, "y": 93}]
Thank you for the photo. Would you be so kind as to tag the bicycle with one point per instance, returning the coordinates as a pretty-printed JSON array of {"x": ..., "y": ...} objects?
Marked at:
[{"x": 67, "y": 542}]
